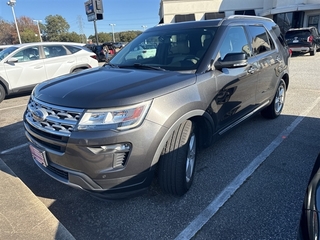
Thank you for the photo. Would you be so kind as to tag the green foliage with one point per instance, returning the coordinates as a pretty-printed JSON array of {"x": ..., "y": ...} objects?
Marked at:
[
  {"x": 56, "y": 27},
  {"x": 72, "y": 37},
  {"x": 28, "y": 36},
  {"x": 126, "y": 36}
]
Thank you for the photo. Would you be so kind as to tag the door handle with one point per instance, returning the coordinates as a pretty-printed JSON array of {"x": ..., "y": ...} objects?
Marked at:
[{"x": 38, "y": 67}]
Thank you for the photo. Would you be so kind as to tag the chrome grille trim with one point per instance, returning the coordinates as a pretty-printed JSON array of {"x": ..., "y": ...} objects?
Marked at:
[{"x": 60, "y": 121}]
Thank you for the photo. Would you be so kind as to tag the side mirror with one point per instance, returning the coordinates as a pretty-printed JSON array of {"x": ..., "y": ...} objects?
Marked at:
[
  {"x": 232, "y": 60},
  {"x": 13, "y": 60}
]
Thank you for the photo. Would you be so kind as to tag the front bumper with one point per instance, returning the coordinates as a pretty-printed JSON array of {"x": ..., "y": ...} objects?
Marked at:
[{"x": 103, "y": 162}]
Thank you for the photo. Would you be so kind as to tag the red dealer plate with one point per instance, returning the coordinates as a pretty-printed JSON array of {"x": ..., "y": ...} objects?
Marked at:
[{"x": 38, "y": 155}]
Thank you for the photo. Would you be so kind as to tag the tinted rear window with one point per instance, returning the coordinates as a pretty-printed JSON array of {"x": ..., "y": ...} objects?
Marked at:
[
  {"x": 300, "y": 34},
  {"x": 72, "y": 49}
]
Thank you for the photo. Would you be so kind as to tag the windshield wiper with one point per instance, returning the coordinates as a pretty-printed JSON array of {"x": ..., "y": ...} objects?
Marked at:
[
  {"x": 143, "y": 66},
  {"x": 111, "y": 65}
]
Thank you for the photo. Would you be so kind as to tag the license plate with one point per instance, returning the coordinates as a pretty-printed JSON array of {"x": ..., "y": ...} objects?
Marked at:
[
  {"x": 295, "y": 41},
  {"x": 38, "y": 155}
]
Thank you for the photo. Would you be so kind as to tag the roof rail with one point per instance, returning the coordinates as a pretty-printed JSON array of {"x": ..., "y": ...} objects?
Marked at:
[{"x": 248, "y": 16}]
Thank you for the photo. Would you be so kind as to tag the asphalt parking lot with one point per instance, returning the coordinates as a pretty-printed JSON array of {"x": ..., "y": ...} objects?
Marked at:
[{"x": 248, "y": 185}]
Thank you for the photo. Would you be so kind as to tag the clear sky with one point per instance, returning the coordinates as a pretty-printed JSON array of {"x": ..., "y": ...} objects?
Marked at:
[{"x": 125, "y": 14}]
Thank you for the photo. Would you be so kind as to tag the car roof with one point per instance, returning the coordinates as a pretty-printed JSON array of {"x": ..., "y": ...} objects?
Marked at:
[
  {"x": 48, "y": 43},
  {"x": 214, "y": 22}
]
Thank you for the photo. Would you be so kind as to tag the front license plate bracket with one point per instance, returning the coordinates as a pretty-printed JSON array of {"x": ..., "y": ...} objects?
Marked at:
[{"x": 38, "y": 155}]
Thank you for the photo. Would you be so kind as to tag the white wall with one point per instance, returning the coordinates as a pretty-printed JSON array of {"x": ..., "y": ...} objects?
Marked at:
[{"x": 170, "y": 8}]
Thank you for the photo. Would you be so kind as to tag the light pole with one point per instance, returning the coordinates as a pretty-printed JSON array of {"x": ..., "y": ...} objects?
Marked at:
[
  {"x": 112, "y": 25},
  {"x": 11, "y": 3},
  {"x": 37, "y": 21}
]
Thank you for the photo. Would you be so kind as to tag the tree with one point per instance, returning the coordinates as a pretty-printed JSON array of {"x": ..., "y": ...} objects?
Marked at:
[
  {"x": 8, "y": 33},
  {"x": 28, "y": 30},
  {"x": 55, "y": 27},
  {"x": 128, "y": 35},
  {"x": 71, "y": 37}
]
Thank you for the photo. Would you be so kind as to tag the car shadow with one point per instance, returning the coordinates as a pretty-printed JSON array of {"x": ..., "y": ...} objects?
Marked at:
[{"x": 88, "y": 217}]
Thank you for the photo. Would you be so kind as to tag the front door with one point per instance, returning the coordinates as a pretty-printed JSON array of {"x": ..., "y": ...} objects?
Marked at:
[
  {"x": 237, "y": 86},
  {"x": 28, "y": 71}
]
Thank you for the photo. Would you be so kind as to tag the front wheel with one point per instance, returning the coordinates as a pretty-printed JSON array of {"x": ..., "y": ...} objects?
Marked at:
[
  {"x": 2, "y": 93},
  {"x": 177, "y": 162},
  {"x": 275, "y": 108}
]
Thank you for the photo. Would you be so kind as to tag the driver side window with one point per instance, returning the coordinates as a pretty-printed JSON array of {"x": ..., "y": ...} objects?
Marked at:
[
  {"x": 28, "y": 54},
  {"x": 235, "y": 41}
]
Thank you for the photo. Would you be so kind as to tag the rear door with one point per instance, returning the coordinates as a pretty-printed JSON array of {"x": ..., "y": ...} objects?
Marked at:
[
  {"x": 269, "y": 58},
  {"x": 58, "y": 60}
]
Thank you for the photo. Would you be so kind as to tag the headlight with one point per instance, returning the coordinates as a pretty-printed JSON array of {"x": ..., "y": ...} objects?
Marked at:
[{"x": 114, "y": 118}]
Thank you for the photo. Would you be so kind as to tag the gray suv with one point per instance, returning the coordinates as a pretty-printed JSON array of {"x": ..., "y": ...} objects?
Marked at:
[{"x": 109, "y": 130}]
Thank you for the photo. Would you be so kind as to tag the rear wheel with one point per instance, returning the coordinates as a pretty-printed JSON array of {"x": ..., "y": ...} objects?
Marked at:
[
  {"x": 2, "y": 93},
  {"x": 177, "y": 162},
  {"x": 275, "y": 108}
]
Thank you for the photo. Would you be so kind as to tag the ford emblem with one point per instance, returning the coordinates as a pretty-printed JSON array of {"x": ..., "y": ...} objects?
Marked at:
[{"x": 39, "y": 114}]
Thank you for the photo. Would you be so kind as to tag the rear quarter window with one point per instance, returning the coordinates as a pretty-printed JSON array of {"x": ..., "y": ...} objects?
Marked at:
[
  {"x": 72, "y": 49},
  {"x": 260, "y": 39}
]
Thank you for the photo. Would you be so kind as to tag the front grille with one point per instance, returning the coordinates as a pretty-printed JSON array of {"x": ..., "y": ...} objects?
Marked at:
[
  {"x": 51, "y": 123},
  {"x": 58, "y": 172}
]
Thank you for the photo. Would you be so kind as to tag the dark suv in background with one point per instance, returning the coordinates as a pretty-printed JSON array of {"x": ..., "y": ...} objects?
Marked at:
[
  {"x": 134, "y": 117},
  {"x": 303, "y": 40}
]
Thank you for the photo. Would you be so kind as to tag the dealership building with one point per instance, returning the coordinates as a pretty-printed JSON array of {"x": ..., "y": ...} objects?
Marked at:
[{"x": 286, "y": 13}]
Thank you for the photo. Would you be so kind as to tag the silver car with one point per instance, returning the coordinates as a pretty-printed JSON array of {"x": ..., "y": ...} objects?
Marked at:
[{"x": 109, "y": 129}]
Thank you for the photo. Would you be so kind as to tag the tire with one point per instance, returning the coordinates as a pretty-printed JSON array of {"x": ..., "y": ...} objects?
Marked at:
[
  {"x": 177, "y": 162},
  {"x": 2, "y": 93},
  {"x": 139, "y": 57},
  {"x": 275, "y": 108}
]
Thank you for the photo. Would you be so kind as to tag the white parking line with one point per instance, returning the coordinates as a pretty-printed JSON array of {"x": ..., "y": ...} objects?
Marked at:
[
  {"x": 23, "y": 105},
  {"x": 223, "y": 197},
  {"x": 14, "y": 148}
]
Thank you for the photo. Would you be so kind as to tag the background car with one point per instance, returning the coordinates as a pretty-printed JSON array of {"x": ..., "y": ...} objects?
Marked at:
[
  {"x": 141, "y": 52},
  {"x": 309, "y": 227},
  {"x": 102, "y": 53},
  {"x": 25, "y": 65},
  {"x": 303, "y": 40},
  {"x": 2, "y": 47}
]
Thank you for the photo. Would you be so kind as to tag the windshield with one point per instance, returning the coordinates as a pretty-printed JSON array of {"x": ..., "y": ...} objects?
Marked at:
[
  {"x": 174, "y": 49},
  {"x": 6, "y": 52}
]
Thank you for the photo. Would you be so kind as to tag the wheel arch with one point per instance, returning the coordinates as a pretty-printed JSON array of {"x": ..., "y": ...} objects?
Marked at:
[
  {"x": 200, "y": 118},
  {"x": 5, "y": 85},
  {"x": 285, "y": 78},
  {"x": 82, "y": 66}
]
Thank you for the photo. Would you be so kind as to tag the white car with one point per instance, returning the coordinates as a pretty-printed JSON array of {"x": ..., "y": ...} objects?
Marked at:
[
  {"x": 141, "y": 52},
  {"x": 2, "y": 47},
  {"x": 25, "y": 65}
]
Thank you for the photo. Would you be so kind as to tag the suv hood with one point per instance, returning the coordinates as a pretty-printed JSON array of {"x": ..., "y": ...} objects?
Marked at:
[{"x": 110, "y": 87}]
